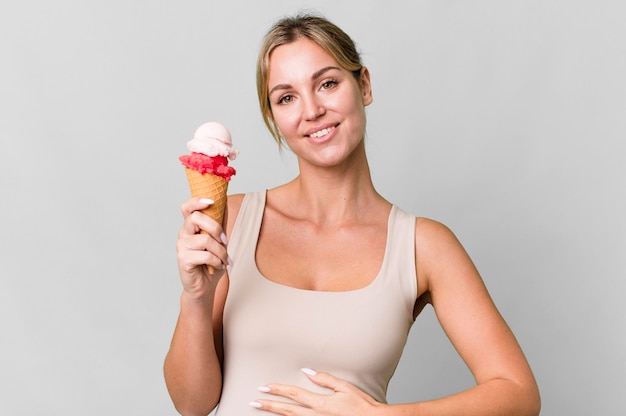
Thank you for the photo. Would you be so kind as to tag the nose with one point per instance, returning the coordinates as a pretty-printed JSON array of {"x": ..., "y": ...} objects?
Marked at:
[{"x": 313, "y": 108}]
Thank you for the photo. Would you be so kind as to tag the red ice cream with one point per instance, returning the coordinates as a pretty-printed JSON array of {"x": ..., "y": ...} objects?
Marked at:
[{"x": 215, "y": 165}]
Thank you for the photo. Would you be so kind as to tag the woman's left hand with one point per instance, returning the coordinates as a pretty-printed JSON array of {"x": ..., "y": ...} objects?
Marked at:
[{"x": 344, "y": 399}]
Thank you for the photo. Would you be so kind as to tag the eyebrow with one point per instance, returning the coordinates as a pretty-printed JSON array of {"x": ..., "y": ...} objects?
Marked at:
[{"x": 315, "y": 75}]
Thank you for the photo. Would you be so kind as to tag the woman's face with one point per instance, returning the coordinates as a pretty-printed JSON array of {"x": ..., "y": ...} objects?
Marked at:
[{"x": 318, "y": 106}]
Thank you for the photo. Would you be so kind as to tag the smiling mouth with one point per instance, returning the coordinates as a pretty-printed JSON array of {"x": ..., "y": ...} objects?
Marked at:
[{"x": 322, "y": 132}]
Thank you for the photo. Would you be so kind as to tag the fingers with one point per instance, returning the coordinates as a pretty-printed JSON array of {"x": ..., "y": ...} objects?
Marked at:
[
  {"x": 340, "y": 398},
  {"x": 342, "y": 388},
  {"x": 201, "y": 249},
  {"x": 301, "y": 400},
  {"x": 196, "y": 221},
  {"x": 201, "y": 240},
  {"x": 326, "y": 380},
  {"x": 194, "y": 204}
]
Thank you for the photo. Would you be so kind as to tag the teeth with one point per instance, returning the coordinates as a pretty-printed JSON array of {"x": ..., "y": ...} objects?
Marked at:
[{"x": 323, "y": 132}]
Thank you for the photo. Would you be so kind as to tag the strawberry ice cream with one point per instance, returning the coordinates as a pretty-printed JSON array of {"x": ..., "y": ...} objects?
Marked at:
[{"x": 211, "y": 148}]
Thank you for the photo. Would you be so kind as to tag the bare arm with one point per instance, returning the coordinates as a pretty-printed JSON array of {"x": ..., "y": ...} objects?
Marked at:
[
  {"x": 505, "y": 383},
  {"x": 193, "y": 365}
]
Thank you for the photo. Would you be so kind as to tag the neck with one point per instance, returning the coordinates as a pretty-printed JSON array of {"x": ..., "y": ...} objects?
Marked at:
[{"x": 336, "y": 195}]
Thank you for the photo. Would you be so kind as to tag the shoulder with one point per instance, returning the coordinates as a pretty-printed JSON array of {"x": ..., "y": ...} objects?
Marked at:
[
  {"x": 432, "y": 236},
  {"x": 438, "y": 252},
  {"x": 432, "y": 233}
]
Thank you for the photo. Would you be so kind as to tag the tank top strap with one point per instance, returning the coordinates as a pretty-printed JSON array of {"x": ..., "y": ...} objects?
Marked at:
[
  {"x": 245, "y": 234},
  {"x": 399, "y": 267}
]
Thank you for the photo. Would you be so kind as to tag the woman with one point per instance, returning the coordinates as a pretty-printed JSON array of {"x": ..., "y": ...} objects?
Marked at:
[{"x": 310, "y": 315}]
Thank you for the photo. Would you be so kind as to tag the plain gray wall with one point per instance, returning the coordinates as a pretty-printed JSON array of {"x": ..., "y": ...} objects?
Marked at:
[{"x": 505, "y": 120}]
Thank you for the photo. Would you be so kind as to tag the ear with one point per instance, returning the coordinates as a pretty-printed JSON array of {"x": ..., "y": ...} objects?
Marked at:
[{"x": 366, "y": 86}]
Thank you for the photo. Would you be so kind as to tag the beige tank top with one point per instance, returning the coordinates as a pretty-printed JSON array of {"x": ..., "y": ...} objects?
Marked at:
[{"x": 271, "y": 331}]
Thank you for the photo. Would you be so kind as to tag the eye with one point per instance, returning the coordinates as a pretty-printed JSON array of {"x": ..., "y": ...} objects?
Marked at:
[
  {"x": 285, "y": 99},
  {"x": 329, "y": 85}
]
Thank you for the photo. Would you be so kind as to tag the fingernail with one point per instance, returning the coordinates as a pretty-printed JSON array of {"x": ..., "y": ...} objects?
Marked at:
[
  {"x": 229, "y": 260},
  {"x": 264, "y": 389},
  {"x": 255, "y": 404},
  {"x": 309, "y": 371},
  {"x": 206, "y": 201},
  {"x": 223, "y": 238}
]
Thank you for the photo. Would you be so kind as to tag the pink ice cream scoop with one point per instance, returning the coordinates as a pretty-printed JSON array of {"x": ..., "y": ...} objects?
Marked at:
[{"x": 211, "y": 148}]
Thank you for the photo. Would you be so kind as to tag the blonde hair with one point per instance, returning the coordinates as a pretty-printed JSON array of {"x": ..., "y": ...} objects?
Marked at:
[{"x": 289, "y": 29}]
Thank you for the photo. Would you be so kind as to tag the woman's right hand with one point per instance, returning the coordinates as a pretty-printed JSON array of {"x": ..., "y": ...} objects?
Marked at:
[{"x": 201, "y": 243}]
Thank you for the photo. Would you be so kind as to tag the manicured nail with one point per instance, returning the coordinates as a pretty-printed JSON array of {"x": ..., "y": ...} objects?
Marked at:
[
  {"x": 309, "y": 371},
  {"x": 264, "y": 389},
  {"x": 230, "y": 261},
  {"x": 223, "y": 238},
  {"x": 255, "y": 404},
  {"x": 206, "y": 201}
]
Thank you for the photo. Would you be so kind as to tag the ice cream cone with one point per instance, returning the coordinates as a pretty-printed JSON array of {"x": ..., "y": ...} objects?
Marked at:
[{"x": 209, "y": 186}]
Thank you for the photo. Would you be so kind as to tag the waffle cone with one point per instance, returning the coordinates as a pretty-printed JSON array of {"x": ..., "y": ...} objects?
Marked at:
[{"x": 209, "y": 186}]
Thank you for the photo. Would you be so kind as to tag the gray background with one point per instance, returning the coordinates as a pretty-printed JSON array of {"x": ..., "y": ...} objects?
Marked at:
[{"x": 505, "y": 120}]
